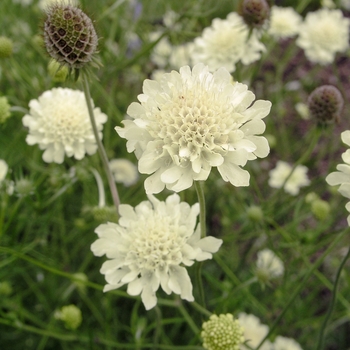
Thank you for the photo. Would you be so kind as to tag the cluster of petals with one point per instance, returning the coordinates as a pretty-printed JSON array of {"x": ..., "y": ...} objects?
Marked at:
[
  {"x": 342, "y": 176},
  {"x": 150, "y": 246},
  {"x": 191, "y": 121},
  {"x": 226, "y": 42},
  {"x": 58, "y": 121},
  {"x": 322, "y": 34}
]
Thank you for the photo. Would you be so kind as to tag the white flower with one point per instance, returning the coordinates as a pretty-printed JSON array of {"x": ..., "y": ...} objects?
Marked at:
[
  {"x": 180, "y": 55},
  {"x": 280, "y": 173},
  {"x": 269, "y": 265},
  {"x": 284, "y": 22},
  {"x": 324, "y": 33},
  {"x": 161, "y": 51},
  {"x": 342, "y": 176},
  {"x": 226, "y": 42},
  {"x": 59, "y": 123},
  {"x": 345, "y": 4},
  {"x": 192, "y": 121},
  {"x": 45, "y": 4},
  {"x": 254, "y": 332},
  {"x": 303, "y": 110},
  {"x": 283, "y": 343},
  {"x": 124, "y": 171},
  {"x": 3, "y": 170},
  {"x": 149, "y": 247}
]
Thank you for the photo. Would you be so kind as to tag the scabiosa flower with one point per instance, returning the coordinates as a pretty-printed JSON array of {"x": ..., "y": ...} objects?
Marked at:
[
  {"x": 3, "y": 170},
  {"x": 226, "y": 42},
  {"x": 281, "y": 172},
  {"x": 192, "y": 121},
  {"x": 59, "y": 123},
  {"x": 322, "y": 34},
  {"x": 222, "y": 332},
  {"x": 254, "y": 332},
  {"x": 149, "y": 247},
  {"x": 284, "y": 22},
  {"x": 283, "y": 343},
  {"x": 124, "y": 171},
  {"x": 268, "y": 266},
  {"x": 70, "y": 37},
  {"x": 325, "y": 104},
  {"x": 342, "y": 176}
]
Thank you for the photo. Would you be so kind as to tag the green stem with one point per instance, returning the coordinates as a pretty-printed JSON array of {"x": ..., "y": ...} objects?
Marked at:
[
  {"x": 102, "y": 151},
  {"x": 301, "y": 285},
  {"x": 320, "y": 343},
  {"x": 201, "y": 199}
]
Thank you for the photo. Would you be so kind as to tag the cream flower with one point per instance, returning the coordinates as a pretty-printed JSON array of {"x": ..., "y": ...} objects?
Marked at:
[
  {"x": 124, "y": 171},
  {"x": 342, "y": 176},
  {"x": 161, "y": 51},
  {"x": 3, "y": 170},
  {"x": 269, "y": 265},
  {"x": 45, "y": 4},
  {"x": 254, "y": 332},
  {"x": 324, "y": 33},
  {"x": 149, "y": 247},
  {"x": 192, "y": 121},
  {"x": 226, "y": 42},
  {"x": 281, "y": 172},
  {"x": 284, "y": 22},
  {"x": 283, "y": 343},
  {"x": 59, "y": 123}
]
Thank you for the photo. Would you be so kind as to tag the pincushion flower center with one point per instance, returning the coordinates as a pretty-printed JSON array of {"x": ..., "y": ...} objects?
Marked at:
[
  {"x": 326, "y": 32},
  {"x": 155, "y": 243},
  {"x": 194, "y": 120}
]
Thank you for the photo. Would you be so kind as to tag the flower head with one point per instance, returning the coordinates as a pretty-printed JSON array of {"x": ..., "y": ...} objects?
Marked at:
[
  {"x": 59, "y": 123},
  {"x": 222, "y": 332},
  {"x": 283, "y": 343},
  {"x": 297, "y": 179},
  {"x": 192, "y": 121},
  {"x": 226, "y": 42},
  {"x": 124, "y": 171},
  {"x": 342, "y": 176},
  {"x": 149, "y": 247},
  {"x": 268, "y": 265},
  {"x": 324, "y": 33},
  {"x": 254, "y": 332},
  {"x": 284, "y": 22},
  {"x": 70, "y": 37},
  {"x": 325, "y": 104},
  {"x": 70, "y": 315}
]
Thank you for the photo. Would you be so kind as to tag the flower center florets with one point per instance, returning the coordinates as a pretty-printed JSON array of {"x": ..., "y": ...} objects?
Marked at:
[{"x": 156, "y": 243}]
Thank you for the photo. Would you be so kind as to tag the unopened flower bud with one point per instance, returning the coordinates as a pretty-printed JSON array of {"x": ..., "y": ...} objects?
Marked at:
[
  {"x": 57, "y": 72},
  {"x": 325, "y": 104},
  {"x": 320, "y": 209},
  {"x": 70, "y": 315},
  {"x": 70, "y": 37},
  {"x": 222, "y": 332},
  {"x": 255, "y": 213},
  {"x": 6, "y": 47},
  {"x": 4, "y": 109},
  {"x": 104, "y": 214},
  {"x": 255, "y": 12}
]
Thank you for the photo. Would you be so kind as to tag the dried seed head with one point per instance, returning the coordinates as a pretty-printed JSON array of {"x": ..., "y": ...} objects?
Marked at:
[
  {"x": 70, "y": 37},
  {"x": 255, "y": 12},
  {"x": 325, "y": 104}
]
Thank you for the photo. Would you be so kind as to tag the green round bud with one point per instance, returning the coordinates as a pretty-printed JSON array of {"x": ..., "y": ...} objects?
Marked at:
[
  {"x": 222, "y": 332},
  {"x": 255, "y": 213},
  {"x": 325, "y": 104},
  {"x": 255, "y": 12},
  {"x": 4, "y": 109},
  {"x": 70, "y": 37},
  {"x": 70, "y": 315},
  {"x": 5, "y": 288},
  {"x": 320, "y": 209},
  {"x": 6, "y": 47},
  {"x": 104, "y": 214},
  {"x": 57, "y": 72},
  {"x": 311, "y": 197}
]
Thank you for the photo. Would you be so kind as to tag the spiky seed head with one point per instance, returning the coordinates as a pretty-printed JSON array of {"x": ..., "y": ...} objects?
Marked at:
[
  {"x": 6, "y": 47},
  {"x": 325, "y": 104},
  {"x": 70, "y": 37},
  {"x": 255, "y": 12}
]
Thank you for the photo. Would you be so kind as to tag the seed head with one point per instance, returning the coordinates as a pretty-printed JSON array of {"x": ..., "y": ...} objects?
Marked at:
[
  {"x": 70, "y": 37},
  {"x": 255, "y": 12},
  {"x": 325, "y": 104}
]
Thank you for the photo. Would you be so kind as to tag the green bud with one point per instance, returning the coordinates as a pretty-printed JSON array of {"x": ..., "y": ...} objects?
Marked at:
[
  {"x": 5, "y": 288},
  {"x": 57, "y": 72},
  {"x": 104, "y": 214},
  {"x": 255, "y": 213},
  {"x": 70, "y": 315},
  {"x": 6, "y": 47},
  {"x": 4, "y": 109},
  {"x": 320, "y": 209}
]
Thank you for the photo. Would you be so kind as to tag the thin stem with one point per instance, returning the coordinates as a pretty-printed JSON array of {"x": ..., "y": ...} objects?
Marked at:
[
  {"x": 201, "y": 199},
  {"x": 320, "y": 343},
  {"x": 103, "y": 154}
]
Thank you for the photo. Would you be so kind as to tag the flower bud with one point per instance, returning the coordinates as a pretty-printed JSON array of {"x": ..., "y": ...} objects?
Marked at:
[
  {"x": 70, "y": 315},
  {"x": 255, "y": 12},
  {"x": 255, "y": 213},
  {"x": 6, "y": 47},
  {"x": 4, "y": 110},
  {"x": 325, "y": 104},
  {"x": 222, "y": 332},
  {"x": 320, "y": 209},
  {"x": 70, "y": 37},
  {"x": 104, "y": 214},
  {"x": 57, "y": 72}
]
